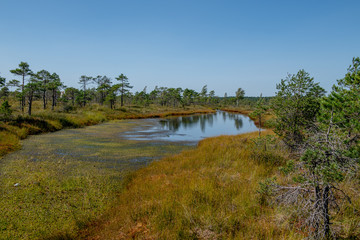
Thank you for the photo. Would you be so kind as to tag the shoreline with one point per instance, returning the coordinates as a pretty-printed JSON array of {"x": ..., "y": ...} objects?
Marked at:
[
  {"x": 266, "y": 117},
  {"x": 90, "y": 177},
  {"x": 65, "y": 122}
]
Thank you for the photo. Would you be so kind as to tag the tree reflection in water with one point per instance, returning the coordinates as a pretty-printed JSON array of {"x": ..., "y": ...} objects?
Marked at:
[
  {"x": 224, "y": 114},
  {"x": 188, "y": 122},
  {"x": 238, "y": 120},
  {"x": 194, "y": 128},
  {"x": 173, "y": 124}
]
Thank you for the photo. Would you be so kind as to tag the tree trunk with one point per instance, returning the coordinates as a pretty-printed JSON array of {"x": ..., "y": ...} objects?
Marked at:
[
  {"x": 84, "y": 88},
  {"x": 44, "y": 99},
  {"x": 122, "y": 99},
  {"x": 259, "y": 125},
  {"x": 53, "y": 100},
  {"x": 22, "y": 94},
  {"x": 326, "y": 212},
  {"x": 30, "y": 104},
  {"x": 317, "y": 201}
]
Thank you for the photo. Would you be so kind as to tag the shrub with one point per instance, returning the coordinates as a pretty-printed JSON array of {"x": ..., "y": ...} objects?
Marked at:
[{"x": 5, "y": 110}]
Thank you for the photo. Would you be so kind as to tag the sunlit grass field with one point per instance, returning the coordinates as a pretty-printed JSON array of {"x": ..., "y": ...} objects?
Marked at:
[
  {"x": 213, "y": 192},
  {"x": 206, "y": 193},
  {"x": 59, "y": 182},
  {"x": 92, "y": 183}
]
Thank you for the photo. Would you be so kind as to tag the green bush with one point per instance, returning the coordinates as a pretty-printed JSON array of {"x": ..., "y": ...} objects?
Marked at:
[{"x": 5, "y": 110}]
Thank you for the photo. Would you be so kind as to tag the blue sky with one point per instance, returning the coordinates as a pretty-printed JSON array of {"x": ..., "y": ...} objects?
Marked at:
[{"x": 225, "y": 44}]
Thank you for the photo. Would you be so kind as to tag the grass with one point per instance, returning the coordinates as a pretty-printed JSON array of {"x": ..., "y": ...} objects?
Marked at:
[
  {"x": 213, "y": 192},
  {"x": 42, "y": 121},
  {"x": 60, "y": 182},
  {"x": 206, "y": 193},
  {"x": 45, "y": 198}
]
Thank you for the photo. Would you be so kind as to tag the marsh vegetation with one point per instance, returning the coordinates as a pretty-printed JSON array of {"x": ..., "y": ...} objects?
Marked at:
[
  {"x": 59, "y": 182},
  {"x": 299, "y": 179}
]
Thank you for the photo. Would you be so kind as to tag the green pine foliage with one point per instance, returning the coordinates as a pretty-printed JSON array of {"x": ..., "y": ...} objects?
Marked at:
[
  {"x": 5, "y": 110},
  {"x": 296, "y": 106},
  {"x": 329, "y": 131}
]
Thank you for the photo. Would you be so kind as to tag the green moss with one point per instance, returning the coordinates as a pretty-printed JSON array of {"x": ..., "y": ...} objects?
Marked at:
[{"x": 59, "y": 182}]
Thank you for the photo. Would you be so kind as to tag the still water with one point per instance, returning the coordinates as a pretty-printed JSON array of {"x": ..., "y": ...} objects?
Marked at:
[
  {"x": 130, "y": 144},
  {"x": 58, "y": 179},
  {"x": 193, "y": 128}
]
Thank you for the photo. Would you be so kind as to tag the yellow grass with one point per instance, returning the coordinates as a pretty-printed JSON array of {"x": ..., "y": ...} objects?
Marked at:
[
  {"x": 206, "y": 193},
  {"x": 212, "y": 192}
]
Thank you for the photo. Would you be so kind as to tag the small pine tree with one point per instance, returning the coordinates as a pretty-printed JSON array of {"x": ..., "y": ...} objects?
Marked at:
[
  {"x": 330, "y": 154},
  {"x": 5, "y": 109},
  {"x": 260, "y": 110},
  {"x": 296, "y": 106}
]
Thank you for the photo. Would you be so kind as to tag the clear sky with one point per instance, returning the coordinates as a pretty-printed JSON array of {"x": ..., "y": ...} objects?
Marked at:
[{"x": 225, "y": 44}]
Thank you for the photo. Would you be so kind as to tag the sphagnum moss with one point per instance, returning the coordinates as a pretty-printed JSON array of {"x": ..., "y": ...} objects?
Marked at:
[
  {"x": 60, "y": 182},
  {"x": 42, "y": 121}
]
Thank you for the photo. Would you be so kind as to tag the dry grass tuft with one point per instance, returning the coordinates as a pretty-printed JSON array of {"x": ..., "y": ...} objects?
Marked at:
[{"x": 205, "y": 193}]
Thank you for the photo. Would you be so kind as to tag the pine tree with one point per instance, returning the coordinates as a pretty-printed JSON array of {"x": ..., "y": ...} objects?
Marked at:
[
  {"x": 124, "y": 86},
  {"x": 239, "y": 94},
  {"x": 330, "y": 154},
  {"x": 296, "y": 106},
  {"x": 22, "y": 71},
  {"x": 84, "y": 81},
  {"x": 260, "y": 110},
  {"x": 5, "y": 109}
]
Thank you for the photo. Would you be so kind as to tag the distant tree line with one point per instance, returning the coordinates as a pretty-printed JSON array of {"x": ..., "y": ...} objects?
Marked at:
[{"x": 50, "y": 90}]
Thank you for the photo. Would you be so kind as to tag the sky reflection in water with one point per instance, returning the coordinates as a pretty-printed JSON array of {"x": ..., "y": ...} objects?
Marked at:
[{"x": 196, "y": 127}]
